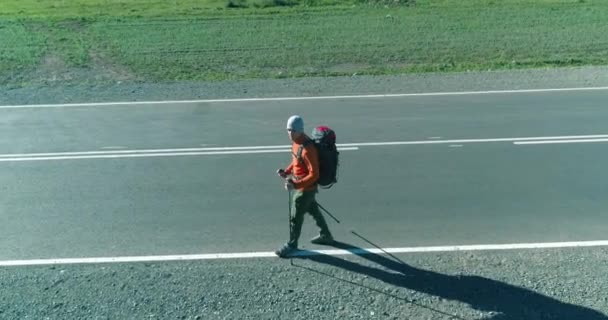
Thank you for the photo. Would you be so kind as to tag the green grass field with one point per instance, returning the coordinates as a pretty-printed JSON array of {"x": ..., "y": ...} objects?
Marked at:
[{"x": 206, "y": 40}]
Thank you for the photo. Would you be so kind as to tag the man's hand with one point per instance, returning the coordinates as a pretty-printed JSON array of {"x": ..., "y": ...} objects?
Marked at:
[{"x": 282, "y": 173}]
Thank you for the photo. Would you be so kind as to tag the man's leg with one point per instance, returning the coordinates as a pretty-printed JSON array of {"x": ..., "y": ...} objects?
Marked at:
[
  {"x": 324, "y": 236},
  {"x": 295, "y": 224},
  {"x": 298, "y": 209}
]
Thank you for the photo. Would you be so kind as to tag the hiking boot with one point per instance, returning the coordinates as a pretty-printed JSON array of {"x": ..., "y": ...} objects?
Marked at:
[
  {"x": 326, "y": 240},
  {"x": 285, "y": 251}
]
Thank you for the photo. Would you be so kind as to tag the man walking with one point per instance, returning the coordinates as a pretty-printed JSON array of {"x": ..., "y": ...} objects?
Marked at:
[{"x": 301, "y": 176}]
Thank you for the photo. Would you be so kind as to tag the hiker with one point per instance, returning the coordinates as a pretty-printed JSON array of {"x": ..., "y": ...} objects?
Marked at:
[{"x": 302, "y": 176}]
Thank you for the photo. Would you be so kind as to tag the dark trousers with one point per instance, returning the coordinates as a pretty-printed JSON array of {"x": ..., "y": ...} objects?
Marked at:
[{"x": 301, "y": 203}]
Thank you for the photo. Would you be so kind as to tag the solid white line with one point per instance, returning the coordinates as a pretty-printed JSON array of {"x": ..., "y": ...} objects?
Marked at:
[
  {"x": 143, "y": 155},
  {"x": 80, "y": 153},
  {"x": 267, "y": 254},
  {"x": 561, "y": 141},
  {"x": 366, "y": 96}
]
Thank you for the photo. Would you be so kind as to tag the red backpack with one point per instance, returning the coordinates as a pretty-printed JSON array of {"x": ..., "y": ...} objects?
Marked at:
[{"x": 324, "y": 140}]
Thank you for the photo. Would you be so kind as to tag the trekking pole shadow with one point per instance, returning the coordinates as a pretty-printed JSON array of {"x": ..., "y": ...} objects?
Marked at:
[
  {"x": 357, "y": 268},
  {"x": 501, "y": 300}
]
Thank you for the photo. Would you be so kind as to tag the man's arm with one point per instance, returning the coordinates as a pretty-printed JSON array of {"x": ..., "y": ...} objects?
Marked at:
[{"x": 289, "y": 169}]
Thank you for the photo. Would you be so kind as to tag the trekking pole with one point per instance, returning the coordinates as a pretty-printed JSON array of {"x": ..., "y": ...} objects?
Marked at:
[
  {"x": 331, "y": 215},
  {"x": 377, "y": 246},
  {"x": 289, "y": 221},
  {"x": 289, "y": 212},
  {"x": 288, "y": 204}
]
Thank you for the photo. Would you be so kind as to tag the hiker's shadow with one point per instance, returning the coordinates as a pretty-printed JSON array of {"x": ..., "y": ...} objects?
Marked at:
[{"x": 509, "y": 302}]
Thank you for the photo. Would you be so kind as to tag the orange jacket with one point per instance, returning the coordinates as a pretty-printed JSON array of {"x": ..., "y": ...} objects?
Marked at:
[{"x": 305, "y": 173}]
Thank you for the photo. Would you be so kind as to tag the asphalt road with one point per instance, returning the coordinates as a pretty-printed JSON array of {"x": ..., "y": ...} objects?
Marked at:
[{"x": 58, "y": 205}]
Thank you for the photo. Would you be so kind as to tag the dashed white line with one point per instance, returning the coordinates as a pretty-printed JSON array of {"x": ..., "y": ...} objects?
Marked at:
[
  {"x": 458, "y": 141},
  {"x": 560, "y": 141},
  {"x": 140, "y": 153},
  {"x": 268, "y": 254}
]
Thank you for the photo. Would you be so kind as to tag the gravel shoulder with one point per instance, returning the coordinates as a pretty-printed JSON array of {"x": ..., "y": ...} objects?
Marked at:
[
  {"x": 537, "y": 284},
  {"x": 58, "y": 92}
]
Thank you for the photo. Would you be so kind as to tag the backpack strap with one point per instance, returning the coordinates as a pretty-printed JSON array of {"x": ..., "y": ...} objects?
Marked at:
[{"x": 300, "y": 149}]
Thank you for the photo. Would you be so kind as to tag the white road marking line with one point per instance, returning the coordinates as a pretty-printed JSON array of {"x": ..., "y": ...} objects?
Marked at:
[
  {"x": 79, "y": 153},
  {"x": 366, "y": 96},
  {"x": 397, "y": 143},
  {"x": 259, "y": 149},
  {"x": 143, "y": 155},
  {"x": 268, "y": 254},
  {"x": 113, "y": 147},
  {"x": 560, "y": 141}
]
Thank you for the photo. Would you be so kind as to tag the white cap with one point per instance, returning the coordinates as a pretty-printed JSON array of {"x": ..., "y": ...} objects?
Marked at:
[{"x": 295, "y": 124}]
